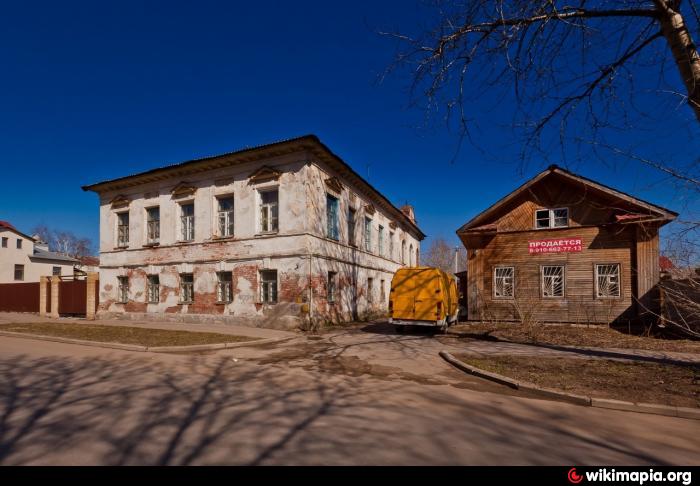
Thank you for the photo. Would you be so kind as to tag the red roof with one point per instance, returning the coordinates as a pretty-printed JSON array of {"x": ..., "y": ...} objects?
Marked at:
[
  {"x": 665, "y": 263},
  {"x": 5, "y": 224}
]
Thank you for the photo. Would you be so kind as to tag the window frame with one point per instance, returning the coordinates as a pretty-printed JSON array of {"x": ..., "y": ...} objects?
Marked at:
[
  {"x": 53, "y": 271},
  {"x": 149, "y": 221},
  {"x": 494, "y": 279},
  {"x": 370, "y": 290},
  {"x": 20, "y": 267},
  {"x": 221, "y": 289},
  {"x": 183, "y": 288},
  {"x": 264, "y": 282},
  {"x": 225, "y": 218},
  {"x": 19, "y": 243},
  {"x": 332, "y": 219},
  {"x": 183, "y": 238},
  {"x": 122, "y": 289},
  {"x": 391, "y": 245},
  {"x": 352, "y": 224},
  {"x": 274, "y": 221},
  {"x": 368, "y": 234},
  {"x": 380, "y": 240},
  {"x": 596, "y": 288},
  {"x": 332, "y": 287},
  {"x": 563, "y": 281},
  {"x": 5, "y": 241},
  {"x": 120, "y": 242},
  {"x": 551, "y": 218},
  {"x": 150, "y": 286}
]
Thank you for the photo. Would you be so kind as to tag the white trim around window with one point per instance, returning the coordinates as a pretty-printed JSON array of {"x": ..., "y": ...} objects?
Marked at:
[
  {"x": 551, "y": 218},
  {"x": 503, "y": 284},
  {"x": 552, "y": 281},
  {"x": 607, "y": 280}
]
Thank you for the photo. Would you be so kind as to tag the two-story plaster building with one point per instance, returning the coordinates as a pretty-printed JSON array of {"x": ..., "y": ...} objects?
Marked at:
[
  {"x": 25, "y": 258},
  {"x": 280, "y": 235}
]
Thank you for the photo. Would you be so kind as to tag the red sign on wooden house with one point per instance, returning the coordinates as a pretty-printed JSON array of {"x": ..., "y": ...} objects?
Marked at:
[{"x": 562, "y": 245}]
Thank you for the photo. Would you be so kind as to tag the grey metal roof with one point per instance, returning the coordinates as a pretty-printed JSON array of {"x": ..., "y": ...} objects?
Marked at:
[{"x": 50, "y": 255}]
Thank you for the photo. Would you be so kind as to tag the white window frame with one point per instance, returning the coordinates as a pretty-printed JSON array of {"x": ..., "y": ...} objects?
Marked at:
[
  {"x": 184, "y": 286},
  {"x": 225, "y": 219},
  {"x": 183, "y": 236},
  {"x": 274, "y": 223},
  {"x": 597, "y": 285},
  {"x": 552, "y": 219},
  {"x": 332, "y": 225},
  {"x": 152, "y": 290},
  {"x": 122, "y": 289},
  {"x": 224, "y": 288},
  {"x": 380, "y": 240},
  {"x": 270, "y": 290},
  {"x": 543, "y": 277},
  {"x": 332, "y": 287},
  {"x": 368, "y": 234},
  {"x": 150, "y": 238},
  {"x": 120, "y": 243},
  {"x": 494, "y": 280}
]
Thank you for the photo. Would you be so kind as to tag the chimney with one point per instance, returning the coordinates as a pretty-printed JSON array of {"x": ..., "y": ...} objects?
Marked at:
[{"x": 407, "y": 209}]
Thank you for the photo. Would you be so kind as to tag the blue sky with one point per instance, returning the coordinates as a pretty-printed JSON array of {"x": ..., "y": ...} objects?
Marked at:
[{"x": 91, "y": 91}]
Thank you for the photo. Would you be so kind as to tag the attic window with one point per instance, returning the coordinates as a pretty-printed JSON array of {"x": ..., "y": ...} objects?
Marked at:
[{"x": 552, "y": 218}]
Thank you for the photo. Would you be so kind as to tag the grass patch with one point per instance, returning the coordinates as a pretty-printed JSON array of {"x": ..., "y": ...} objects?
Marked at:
[
  {"x": 123, "y": 334},
  {"x": 599, "y": 337},
  {"x": 664, "y": 384}
]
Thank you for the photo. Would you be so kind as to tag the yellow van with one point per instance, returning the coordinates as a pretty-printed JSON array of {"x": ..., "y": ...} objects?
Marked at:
[{"x": 423, "y": 296}]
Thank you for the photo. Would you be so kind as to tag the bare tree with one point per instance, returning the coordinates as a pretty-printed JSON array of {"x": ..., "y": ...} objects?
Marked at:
[
  {"x": 441, "y": 255},
  {"x": 64, "y": 242}
]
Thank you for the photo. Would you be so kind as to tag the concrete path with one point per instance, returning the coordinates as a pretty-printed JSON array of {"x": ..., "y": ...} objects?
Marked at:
[{"x": 346, "y": 397}]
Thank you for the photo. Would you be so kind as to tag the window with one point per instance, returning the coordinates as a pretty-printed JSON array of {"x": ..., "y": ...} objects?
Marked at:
[
  {"x": 187, "y": 222},
  {"x": 351, "y": 226},
  {"x": 153, "y": 289},
  {"x": 607, "y": 278},
  {"x": 19, "y": 244},
  {"x": 410, "y": 256},
  {"x": 382, "y": 292},
  {"x": 332, "y": 277},
  {"x": 153, "y": 225},
  {"x": 224, "y": 287},
  {"x": 123, "y": 229},
  {"x": 19, "y": 272},
  {"x": 391, "y": 245},
  {"x": 417, "y": 256},
  {"x": 551, "y": 218},
  {"x": 332, "y": 217},
  {"x": 368, "y": 234},
  {"x": 380, "y": 240},
  {"x": 56, "y": 271},
  {"x": 225, "y": 212},
  {"x": 4, "y": 242},
  {"x": 268, "y": 286},
  {"x": 370, "y": 290},
  {"x": 269, "y": 211},
  {"x": 123, "y": 289},
  {"x": 403, "y": 252},
  {"x": 186, "y": 288},
  {"x": 552, "y": 280},
  {"x": 503, "y": 278}
]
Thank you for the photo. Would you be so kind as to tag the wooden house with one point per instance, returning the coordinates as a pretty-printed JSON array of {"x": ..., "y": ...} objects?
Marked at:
[{"x": 564, "y": 248}]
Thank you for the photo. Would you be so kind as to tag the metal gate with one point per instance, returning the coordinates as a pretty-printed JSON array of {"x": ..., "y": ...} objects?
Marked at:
[
  {"x": 72, "y": 297},
  {"x": 19, "y": 297}
]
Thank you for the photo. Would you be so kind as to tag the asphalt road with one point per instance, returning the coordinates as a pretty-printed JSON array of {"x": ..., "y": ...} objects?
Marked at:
[{"x": 349, "y": 397}]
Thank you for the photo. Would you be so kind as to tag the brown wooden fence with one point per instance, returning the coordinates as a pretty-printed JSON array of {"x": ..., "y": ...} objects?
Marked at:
[{"x": 19, "y": 297}]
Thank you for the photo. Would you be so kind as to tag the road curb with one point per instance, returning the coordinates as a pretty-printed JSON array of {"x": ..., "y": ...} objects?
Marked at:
[
  {"x": 651, "y": 408},
  {"x": 144, "y": 349}
]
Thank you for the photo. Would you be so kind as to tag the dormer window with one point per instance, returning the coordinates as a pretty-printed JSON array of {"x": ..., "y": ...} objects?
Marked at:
[{"x": 551, "y": 218}]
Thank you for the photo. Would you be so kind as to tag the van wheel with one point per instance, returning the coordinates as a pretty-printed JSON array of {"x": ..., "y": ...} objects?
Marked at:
[{"x": 443, "y": 328}]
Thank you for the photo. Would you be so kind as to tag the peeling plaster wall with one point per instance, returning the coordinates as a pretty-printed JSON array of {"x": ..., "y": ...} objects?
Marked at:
[{"x": 300, "y": 251}]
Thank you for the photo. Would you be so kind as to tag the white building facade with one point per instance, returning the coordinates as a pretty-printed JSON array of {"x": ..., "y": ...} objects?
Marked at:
[
  {"x": 284, "y": 235},
  {"x": 26, "y": 259}
]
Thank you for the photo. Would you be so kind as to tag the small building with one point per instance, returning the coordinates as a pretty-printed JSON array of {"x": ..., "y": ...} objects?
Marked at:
[
  {"x": 564, "y": 248},
  {"x": 281, "y": 235},
  {"x": 25, "y": 258}
]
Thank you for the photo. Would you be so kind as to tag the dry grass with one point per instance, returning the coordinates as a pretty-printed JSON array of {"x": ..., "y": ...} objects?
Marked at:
[
  {"x": 123, "y": 334},
  {"x": 599, "y": 337},
  {"x": 629, "y": 381}
]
